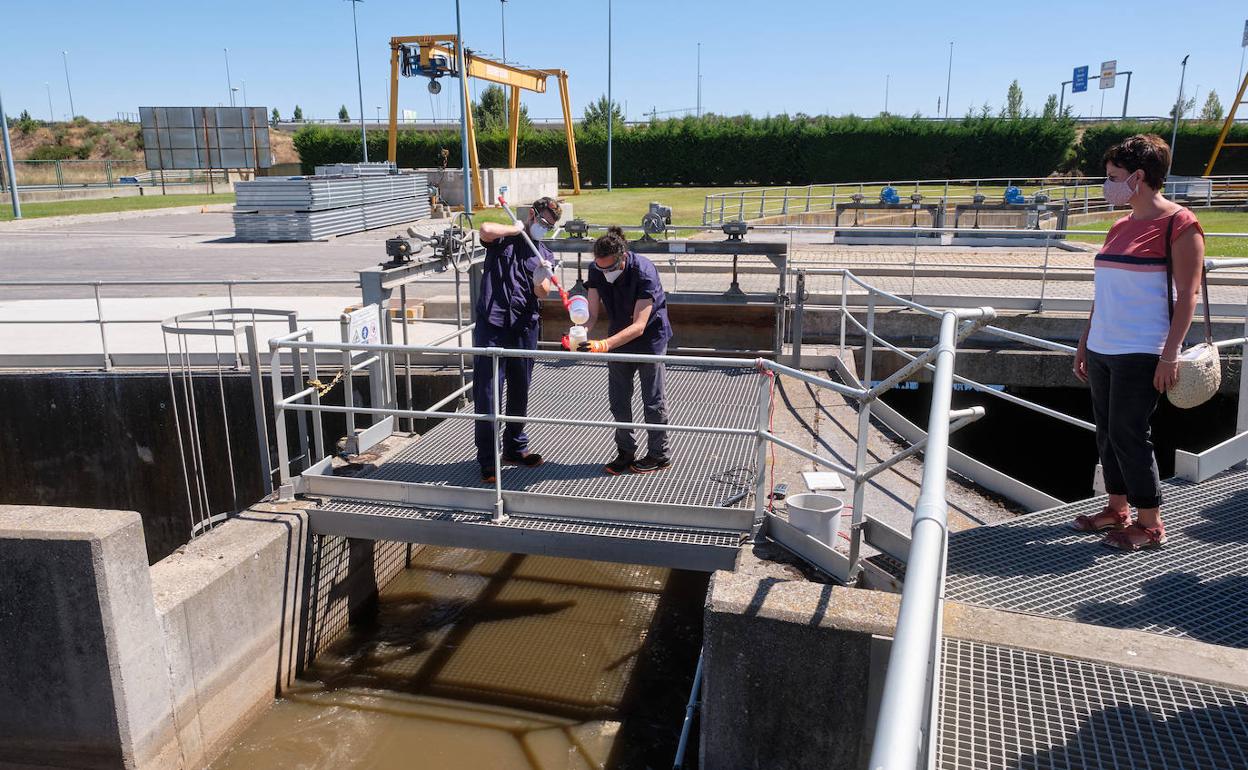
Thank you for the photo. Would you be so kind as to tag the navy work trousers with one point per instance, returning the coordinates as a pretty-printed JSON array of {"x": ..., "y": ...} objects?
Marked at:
[
  {"x": 620, "y": 376},
  {"x": 517, "y": 373},
  {"x": 1123, "y": 402}
]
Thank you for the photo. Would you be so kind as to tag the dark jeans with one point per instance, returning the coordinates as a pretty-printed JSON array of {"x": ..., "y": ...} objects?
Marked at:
[
  {"x": 516, "y": 372},
  {"x": 653, "y": 399},
  {"x": 1123, "y": 401}
]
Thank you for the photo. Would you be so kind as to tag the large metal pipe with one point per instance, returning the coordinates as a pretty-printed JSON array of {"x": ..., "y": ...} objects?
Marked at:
[{"x": 8, "y": 163}]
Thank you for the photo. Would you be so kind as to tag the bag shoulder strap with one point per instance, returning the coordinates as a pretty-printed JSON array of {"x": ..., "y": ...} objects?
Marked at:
[{"x": 1171, "y": 289}]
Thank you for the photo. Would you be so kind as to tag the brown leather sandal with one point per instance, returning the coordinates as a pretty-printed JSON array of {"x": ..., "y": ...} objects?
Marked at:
[
  {"x": 1107, "y": 519},
  {"x": 1136, "y": 537}
]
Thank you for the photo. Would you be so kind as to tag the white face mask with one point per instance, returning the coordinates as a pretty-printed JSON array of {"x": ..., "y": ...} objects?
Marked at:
[
  {"x": 1118, "y": 193},
  {"x": 611, "y": 275},
  {"x": 538, "y": 229}
]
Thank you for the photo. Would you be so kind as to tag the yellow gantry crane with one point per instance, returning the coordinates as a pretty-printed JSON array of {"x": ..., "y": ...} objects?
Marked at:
[
  {"x": 1226, "y": 129},
  {"x": 436, "y": 56}
]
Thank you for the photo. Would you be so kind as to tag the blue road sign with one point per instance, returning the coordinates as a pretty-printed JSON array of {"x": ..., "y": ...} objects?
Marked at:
[{"x": 1079, "y": 82}]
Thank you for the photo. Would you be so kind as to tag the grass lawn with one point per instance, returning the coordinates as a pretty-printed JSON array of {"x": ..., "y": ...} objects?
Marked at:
[
  {"x": 624, "y": 205},
  {"x": 101, "y": 205},
  {"x": 1212, "y": 221}
]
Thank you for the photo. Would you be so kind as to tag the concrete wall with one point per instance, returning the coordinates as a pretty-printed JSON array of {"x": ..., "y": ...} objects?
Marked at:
[
  {"x": 106, "y": 662},
  {"x": 524, "y": 185}
]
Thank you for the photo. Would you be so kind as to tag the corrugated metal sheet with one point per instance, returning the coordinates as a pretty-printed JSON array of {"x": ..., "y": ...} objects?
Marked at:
[{"x": 316, "y": 207}]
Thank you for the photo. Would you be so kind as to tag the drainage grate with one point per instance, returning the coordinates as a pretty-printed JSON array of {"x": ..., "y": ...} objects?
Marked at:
[
  {"x": 652, "y": 533},
  {"x": 1193, "y": 587},
  {"x": 1002, "y": 707},
  {"x": 575, "y": 454}
]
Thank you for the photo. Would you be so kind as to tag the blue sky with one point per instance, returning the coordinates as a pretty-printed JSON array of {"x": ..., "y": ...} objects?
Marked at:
[{"x": 762, "y": 58}]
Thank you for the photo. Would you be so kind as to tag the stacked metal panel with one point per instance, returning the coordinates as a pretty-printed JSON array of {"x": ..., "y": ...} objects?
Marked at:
[
  {"x": 357, "y": 169},
  {"x": 317, "y": 207}
]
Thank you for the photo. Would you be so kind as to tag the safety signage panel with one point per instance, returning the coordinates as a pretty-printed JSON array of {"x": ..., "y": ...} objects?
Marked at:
[
  {"x": 1079, "y": 82},
  {"x": 364, "y": 326},
  {"x": 1109, "y": 70}
]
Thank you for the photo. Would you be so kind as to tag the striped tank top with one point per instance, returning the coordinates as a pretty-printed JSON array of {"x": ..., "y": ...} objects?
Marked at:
[{"x": 1131, "y": 313}]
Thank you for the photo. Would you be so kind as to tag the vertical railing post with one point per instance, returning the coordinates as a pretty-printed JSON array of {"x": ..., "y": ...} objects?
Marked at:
[
  {"x": 741, "y": 206},
  {"x": 762, "y": 423},
  {"x": 407, "y": 357},
  {"x": 60, "y": 176},
  {"x": 1241, "y": 417},
  {"x": 840, "y": 352},
  {"x": 285, "y": 488},
  {"x": 722, "y": 200},
  {"x": 809, "y": 187},
  {"x": 799, "y": 313},
  {"x": 784, "y": 207},
  {"x": 1085, "y": 198},
  {"x": 459, "y": 325},
  {"x": 499, "y": 514},
  {"x": 706, "y": 209},
  {"x": 762, "y": 202},
  {"x": 1044, "y": 271},
  {"x": 108, "y": 169},
  {"x": 348, "y": 394},
  {"x": 99, "y": 317},
  {"x": 256, "y": 375},
  {"x": 318, "y": 433},
  {"x": 860, "y": 451}
]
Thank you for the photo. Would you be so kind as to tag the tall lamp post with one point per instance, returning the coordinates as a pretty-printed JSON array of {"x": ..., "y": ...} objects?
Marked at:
[
  {"x": 502, "y": 15},
  {"x": 948, "y": 79},
  {"x": 462, "y": 64},
  {"x": 1178, "y": 109},
  {"x": 51, "y": 112},
  {"x": 65, "y": 59},
  {"x": 699, "y": 80},
  {"x": 229, "y": 81},
  {"x": 610, "y": 104},
  {"x": 8, "y": 163},
  {"x": 359, "y": 82}
]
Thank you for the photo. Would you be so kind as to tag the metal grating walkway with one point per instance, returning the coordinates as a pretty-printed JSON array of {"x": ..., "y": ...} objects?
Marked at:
[
  {"x": 1002, "y": 707},
  {"x": 708, "y": 469},
  {"x": 1193, "y": 587}
]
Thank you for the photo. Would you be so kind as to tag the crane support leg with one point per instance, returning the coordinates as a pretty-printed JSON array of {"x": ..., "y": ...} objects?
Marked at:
[
  {"x": 393, "y": 138},
  {"x": 474, "y": 166},
  {"x": 1226, "y": 128},
  {"x": 565, "y": 99},
  {"x": 513, "y": 123}
]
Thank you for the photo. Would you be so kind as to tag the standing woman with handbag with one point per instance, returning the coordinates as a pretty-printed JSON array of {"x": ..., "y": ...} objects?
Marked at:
[{"x": 1129, "y": 352}]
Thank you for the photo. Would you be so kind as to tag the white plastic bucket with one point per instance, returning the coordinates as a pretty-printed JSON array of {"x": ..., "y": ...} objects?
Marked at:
[
  {"x": 577, "y": 335},
  {"x": 817, "y": 515},
  {"x": 578, "y": 309}
]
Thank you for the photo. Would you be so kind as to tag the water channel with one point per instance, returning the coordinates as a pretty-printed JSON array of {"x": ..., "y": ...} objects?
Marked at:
[{"x": 478, "y": 659}]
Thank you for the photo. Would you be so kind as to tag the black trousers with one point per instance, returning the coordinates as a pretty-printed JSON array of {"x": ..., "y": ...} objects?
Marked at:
[{"x": 1123, "y": 402}]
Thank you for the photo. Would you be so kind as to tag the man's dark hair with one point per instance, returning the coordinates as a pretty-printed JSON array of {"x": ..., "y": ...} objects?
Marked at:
[
  {"x": 612, "y": 244},
  {"x": 548, "y": 204},
  {"x": 1142, "y": 151}
]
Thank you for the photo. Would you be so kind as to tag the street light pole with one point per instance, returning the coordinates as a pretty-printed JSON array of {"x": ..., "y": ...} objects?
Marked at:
[
  {"x": 610, "y": 104},
  {"x": 359, "y": 82},
  {"x": 1178, "y": 108},
  {"x": 65, "y": 59},
  {"x": 887, "y": 78},
  {"x": 51, "y": 112},
  {"x": 244, "y": 94},
  {"x": 948, "y": 79},
  {"x": 462, "y": 64},
  {"x": 229, "y": 81},
  {"x": 502, "y": 14},
  {"x": 8, "y": 163},
  {"x": 699, "y": 80}
]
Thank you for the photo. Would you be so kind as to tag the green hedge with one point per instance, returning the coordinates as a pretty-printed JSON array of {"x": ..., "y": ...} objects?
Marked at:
[
  {"x": 1194, "y": 145},
  {"x": 718, "y": 151}
]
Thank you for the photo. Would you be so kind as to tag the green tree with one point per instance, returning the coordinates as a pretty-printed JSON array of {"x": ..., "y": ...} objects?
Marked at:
[
  {"x": 275, "y": 117},
  {"x": 298, "y": 114},
  {"x": 490, "y": 113},
  {"x": 1050, "y": 107},
  {"x": 1182, "y": 107},
  {"x": 25, "y": 123},
  {"x": 1212, "y": 109},
  {"x": 343, "y": 115},
  {"x": 1014, "y": 101},
  {"x": 596, "y": 113}
]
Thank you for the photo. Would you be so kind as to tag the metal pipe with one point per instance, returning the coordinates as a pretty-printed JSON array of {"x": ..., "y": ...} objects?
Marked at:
[
  {"x": 359, "y": 81},
  {"x": 461, "y": 62},
  {"x": 959, "y": 419},
  {"x": 905, "y": 702},
  {"x": 496, "y": 388},
  {"x": 99, "y": 316},
  {"x": 8, "y": 164},
  {"x": 825, "y": 462},
  {"x": 861, "y": 443},
  {"x": 762, "y": 420},
  {"x": 694, "y": 691}
]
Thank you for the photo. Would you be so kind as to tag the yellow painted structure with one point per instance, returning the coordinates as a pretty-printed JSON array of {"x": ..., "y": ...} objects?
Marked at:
[
  {"x": 515, "y": 79},
  {"x": 1226, "y": 129}
]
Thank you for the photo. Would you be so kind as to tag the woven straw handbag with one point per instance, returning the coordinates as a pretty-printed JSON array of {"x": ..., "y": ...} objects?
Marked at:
[{"x": 1200, "y": 366}]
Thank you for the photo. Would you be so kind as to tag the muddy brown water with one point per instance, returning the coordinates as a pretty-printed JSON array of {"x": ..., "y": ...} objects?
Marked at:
[{"x": 486, "y": 660}]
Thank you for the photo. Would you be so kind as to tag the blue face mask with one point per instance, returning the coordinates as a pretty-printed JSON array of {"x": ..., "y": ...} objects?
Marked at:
[{"x": 538, "y": 229}]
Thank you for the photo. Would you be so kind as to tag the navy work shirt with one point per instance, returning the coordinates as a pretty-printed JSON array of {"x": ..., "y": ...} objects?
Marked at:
[
  {"x": 506, "y": 297},
  {"x": 640, "y": 280}
]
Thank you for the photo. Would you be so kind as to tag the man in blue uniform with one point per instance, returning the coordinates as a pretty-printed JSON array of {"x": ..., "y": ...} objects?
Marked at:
[
  {"x": 627, "y": 286},
  {"x": 513, "y": 280}
]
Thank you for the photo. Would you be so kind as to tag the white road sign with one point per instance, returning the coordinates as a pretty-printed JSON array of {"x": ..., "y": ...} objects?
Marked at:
[{"x": 1109, "y": 69}]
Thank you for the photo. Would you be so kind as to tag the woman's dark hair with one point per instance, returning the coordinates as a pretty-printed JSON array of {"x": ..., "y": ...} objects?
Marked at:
[
  {"x": 1142, "y": 151},
  {"x": 612, "y": 244}
]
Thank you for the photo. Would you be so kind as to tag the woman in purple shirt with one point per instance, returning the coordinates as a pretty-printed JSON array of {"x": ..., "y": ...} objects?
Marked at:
[{"x": 627, "y": 287}]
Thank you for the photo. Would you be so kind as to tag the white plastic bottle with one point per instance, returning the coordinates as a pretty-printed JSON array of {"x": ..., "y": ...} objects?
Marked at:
[
  {"x": 577, "y": 335},
  {"x": 578, "y": 309}
]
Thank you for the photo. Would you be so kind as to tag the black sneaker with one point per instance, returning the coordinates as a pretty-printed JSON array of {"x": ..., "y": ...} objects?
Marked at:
[
  {"x": 650, "y": 464},
  {"x": 620, "y": 465},
  {"x": 528, "y": 459}
]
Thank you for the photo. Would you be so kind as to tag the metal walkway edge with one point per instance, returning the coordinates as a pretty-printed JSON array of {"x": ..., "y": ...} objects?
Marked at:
[{"x": 429, "y": 490}]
